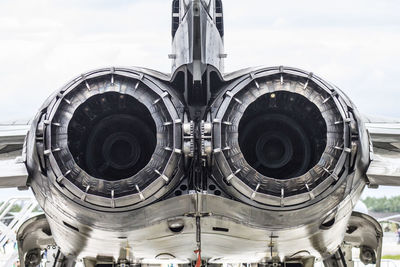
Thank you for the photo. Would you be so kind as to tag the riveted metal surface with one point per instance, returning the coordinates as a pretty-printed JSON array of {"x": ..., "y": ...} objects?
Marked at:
[
  {"x": 247, "y": 216},
  {"x": 161, "y": 172},
  {"x": 237, "y": 99}
]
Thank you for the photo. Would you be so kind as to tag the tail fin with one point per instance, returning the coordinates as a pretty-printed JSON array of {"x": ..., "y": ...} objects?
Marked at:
[{"x": 197, "y": 46}]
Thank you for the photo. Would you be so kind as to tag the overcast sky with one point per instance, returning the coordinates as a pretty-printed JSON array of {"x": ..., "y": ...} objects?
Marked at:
[{"x": 353, "y": 44}]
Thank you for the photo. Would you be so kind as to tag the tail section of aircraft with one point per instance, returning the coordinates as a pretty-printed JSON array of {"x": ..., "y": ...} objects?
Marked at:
[{"x": 135, "y": 167}]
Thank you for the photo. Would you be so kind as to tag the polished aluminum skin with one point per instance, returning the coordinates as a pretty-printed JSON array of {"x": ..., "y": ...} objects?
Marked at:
[{"x": 264, "y": 165}]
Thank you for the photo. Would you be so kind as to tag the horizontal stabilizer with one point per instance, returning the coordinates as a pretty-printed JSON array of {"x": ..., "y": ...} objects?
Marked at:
[
  {"x": 385, "y": 138},
  {"x": 13, "y": 172}
]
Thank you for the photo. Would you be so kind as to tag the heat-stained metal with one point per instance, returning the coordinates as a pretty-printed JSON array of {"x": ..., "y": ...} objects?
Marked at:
[{"x": 264, "y": 165}]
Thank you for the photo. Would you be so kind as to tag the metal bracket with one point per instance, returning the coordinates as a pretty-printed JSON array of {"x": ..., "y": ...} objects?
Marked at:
[
  {"x": 188, "y": 138},
  {"x": 206, "y": 139}
]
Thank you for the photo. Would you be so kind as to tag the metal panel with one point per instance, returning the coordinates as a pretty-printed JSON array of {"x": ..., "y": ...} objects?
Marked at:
[
  {"x": 13, "y": 173},
  {"x": 384, "y": 170},
  {"x": 13, "y": 134},
  {"x": 385, "y": 146}
]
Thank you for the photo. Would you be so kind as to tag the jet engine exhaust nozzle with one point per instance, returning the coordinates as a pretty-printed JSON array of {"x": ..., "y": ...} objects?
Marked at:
[
  {"x": 283, "y": 138},
  {"x": 112, "y": 139}
]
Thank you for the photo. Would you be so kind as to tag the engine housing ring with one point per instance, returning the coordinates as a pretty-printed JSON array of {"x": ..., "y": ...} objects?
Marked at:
[
  {"x": 228, "y": 110},
  {"x": 159, "y": 175}
]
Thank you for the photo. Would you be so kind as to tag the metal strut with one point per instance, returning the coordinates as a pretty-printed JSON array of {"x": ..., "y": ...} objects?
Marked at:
[
  {"x": 198, "y": 231},
  {"x": 336, "y": 260}
]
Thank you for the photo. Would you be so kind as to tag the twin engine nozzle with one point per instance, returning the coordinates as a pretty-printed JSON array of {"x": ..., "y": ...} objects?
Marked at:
[{"x": 118, "y": 138}]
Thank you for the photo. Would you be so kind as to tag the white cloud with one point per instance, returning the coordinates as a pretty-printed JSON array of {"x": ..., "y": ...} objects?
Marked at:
[{"x": 353, "y": 44}]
